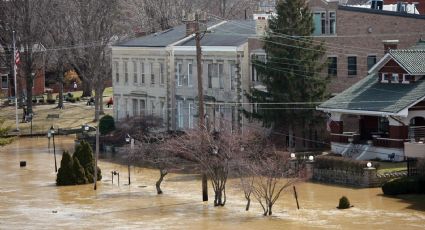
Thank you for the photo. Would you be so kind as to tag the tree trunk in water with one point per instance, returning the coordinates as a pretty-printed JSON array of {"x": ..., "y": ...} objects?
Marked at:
[
  {"x": 162, "y": 174},
  {"x": 248, "y": 203},
  {"x": 270, "y": 209}
]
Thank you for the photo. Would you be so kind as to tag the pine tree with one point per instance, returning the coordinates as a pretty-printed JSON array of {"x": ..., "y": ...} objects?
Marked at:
[
  {"x": 291, "y": 71},
  {"x": 66, "y": 175}
]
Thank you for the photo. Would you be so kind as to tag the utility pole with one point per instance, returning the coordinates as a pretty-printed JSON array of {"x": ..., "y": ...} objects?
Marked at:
[
  {"x": 201, "y": 113},
  {"x": 15, "y": 67}
]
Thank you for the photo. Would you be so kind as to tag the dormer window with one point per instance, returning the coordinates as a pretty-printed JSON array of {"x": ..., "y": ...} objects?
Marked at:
[
  {"x": 385, "y": 77},
  {"x": 394, "y": 78}
]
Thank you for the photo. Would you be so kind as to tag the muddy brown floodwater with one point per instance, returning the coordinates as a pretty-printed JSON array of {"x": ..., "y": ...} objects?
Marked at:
[{"x": 29, "y": 199}]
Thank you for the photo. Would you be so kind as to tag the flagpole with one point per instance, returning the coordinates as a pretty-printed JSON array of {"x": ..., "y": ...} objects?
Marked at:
[{"x": 16, "y": 86}]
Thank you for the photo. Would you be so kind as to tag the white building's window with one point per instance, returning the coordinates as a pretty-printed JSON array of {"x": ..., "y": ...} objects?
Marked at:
[
  {"x": 163, "y": 112},
  {"x": 4, "y": 82},
  {"x": 260, "y": 57},
  {"x": 117, "y": 71},
  {"x": 126, "y": 107},
  {"x": 191, "y": 112},
  {"x": 189, "y": 74},
  {"x": 161, "y": 74},
  {"x": 152, "y": 74},
  {"x": 220, "y": 75},
  {"x": 126, "y": 71},
  {"x": 142, "y": 107},
  {"x": 153, "y": 108},
  {"x": 142, "y": 68},
  {"x": 210, "y": 74},
  {"x": 135, "y": 107},
  {"x": 232, "y": 73},
  {"x": 394, "y": 78},
  {"x": 180, "y": 114},
  {"x": 179, "y": 74},
  {"x": 135, "y": 72}
]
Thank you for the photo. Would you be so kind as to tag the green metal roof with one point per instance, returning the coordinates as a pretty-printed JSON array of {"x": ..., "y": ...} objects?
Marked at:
[
  {"x": 370, "y": 95},
  {"x": 412, "y": 60}
]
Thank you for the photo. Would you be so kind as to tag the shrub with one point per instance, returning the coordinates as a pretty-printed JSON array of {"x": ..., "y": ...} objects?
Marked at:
[
  {"x": 79, "y": 168},
  {"x": 51, "y": 101},
  {"x": 77, "y": 98},
  {"x": 106, "y": 124},
  {"x": 404, "y": 185},
  {"x": 341, "y": 163},
  {"x": 344, "y": 203},
  {"x": 72, "y": 100},
  {"x": 34, "y": 100},
  {"x": 66, "y": 175}
]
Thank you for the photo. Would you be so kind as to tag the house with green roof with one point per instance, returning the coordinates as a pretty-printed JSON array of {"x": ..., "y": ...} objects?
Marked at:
[{"x": 388, "y": 106}]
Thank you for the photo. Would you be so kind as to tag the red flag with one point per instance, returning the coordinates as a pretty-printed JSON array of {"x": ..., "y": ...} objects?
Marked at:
[{"x": 17, "y": 58}]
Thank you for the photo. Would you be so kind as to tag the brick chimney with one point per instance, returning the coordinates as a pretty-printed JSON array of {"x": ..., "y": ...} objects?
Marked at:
[{"x": 390, "y": 44}]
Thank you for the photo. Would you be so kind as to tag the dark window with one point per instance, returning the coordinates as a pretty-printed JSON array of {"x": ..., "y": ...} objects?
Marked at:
[
  {"x": 332, "y": 66},
  {"x": 352, "y": 65},
  {"x": 332, "y": 22},
  {"x": 4, "y": 82},
  {"x": 371, "y": 61}
]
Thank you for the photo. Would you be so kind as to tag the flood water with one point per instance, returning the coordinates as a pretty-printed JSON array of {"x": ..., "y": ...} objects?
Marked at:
[{"x": 29, "y": 199}]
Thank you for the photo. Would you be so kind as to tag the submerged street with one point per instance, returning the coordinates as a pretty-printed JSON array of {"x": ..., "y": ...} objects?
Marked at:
[{"x": 29, "y": 199}]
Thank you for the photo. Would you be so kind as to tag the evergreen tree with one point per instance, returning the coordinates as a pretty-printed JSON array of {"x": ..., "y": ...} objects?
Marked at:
[
  {"x": 291, "y": 71},
  {"x": 66, "y": 175},
  {"x": 80, "y": 175}
]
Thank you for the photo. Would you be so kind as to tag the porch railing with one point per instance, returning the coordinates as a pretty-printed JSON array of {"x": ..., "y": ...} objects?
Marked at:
[
  {"x": 417, "y": 133},
  {"x": 388, "y": 142},
  {"x": 345, "y": 137}
]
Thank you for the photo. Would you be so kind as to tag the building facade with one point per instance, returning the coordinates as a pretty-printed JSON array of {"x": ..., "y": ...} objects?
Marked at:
[{"x": 157, "y": 75}]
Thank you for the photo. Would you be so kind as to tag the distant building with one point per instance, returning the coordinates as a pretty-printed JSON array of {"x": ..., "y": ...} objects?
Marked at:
[{"x": 157, "y": 75}]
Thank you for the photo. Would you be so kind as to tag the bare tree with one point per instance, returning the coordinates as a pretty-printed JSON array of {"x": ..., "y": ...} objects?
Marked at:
[
  {"x": 21, "y": 16},
  {"x": 93, "y": 31},
  {"x": 264, "y": 172},
  {"x": 212, "y": 151}
]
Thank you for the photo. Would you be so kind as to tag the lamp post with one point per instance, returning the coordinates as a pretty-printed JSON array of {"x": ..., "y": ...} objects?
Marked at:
[
  {"x": 87, "y": 128},
  {"x": 129, "y": 140},
  {"x": 52, "y": 133}
]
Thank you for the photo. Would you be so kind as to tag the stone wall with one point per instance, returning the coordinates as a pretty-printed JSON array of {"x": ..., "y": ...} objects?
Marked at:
[{"x": 368, "y": 178}]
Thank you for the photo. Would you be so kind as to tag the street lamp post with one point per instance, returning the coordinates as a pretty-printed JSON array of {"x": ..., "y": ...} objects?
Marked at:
[
  {"x": 87, "y": 128},
  {"x": 129, "y": 140},
  {"x": 52, "y": 133}
]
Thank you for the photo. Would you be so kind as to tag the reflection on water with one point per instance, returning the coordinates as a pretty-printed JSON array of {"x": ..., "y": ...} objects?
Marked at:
[{"x": 29, "y": 199}]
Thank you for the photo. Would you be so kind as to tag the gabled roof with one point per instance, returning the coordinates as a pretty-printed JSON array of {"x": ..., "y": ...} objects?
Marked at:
[
  {"x": 368, "y": 96},
  {"x": 412, "y": 60}
]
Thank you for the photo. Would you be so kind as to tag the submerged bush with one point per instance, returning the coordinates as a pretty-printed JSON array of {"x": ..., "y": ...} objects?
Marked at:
[
  {"x": 344, "y": 203},
  {"x": 404, "y": 185},
  {"x": 78, "y": 169}
]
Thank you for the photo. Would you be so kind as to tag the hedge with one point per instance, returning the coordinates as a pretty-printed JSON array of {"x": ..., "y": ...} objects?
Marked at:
[
  {"x": 341, "y": 163},
  {"x": 404, "y": 185}
]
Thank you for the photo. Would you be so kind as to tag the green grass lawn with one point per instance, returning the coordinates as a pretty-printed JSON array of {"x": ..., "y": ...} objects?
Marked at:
[{"x": 387, "y": 167}]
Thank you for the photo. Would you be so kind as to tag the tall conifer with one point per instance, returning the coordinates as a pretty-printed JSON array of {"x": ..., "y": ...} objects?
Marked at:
[{"x": 291, "y": 71}]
